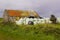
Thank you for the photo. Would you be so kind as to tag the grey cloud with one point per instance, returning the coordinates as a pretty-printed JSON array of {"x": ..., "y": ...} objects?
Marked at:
[{"x": 44, "y": 7}]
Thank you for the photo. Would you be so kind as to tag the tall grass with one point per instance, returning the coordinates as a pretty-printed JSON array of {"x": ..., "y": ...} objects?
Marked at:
[{"x": 11, "y": 31}]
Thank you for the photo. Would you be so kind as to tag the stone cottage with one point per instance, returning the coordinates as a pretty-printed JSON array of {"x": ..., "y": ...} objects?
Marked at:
[{"x": 13, "y": 15}]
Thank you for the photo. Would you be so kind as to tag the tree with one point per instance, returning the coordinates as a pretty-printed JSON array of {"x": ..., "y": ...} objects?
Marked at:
[{"x": 53, "y": 19}]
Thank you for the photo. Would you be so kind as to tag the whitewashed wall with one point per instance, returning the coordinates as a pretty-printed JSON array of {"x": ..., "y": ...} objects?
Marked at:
[{"x": 35, "y": 20}]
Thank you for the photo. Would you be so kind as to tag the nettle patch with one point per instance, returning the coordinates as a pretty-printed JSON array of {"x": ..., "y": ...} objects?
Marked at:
[{"x": 33, "y": 21}]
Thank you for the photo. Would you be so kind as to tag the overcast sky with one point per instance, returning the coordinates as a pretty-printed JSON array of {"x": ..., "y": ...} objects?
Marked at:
[{"x": 43, "y": 7}]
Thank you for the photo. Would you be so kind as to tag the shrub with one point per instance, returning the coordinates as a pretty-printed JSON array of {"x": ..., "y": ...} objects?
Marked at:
[{"x": 53, "y": 19}]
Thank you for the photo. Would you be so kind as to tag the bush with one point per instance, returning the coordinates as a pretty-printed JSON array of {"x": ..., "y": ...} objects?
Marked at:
[
  {"x": 53, "y": 19},
  {"x": 30, "y": 23}
]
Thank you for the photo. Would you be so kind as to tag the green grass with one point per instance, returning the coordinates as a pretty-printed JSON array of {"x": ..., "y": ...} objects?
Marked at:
[
  {"x": 10, "y": 31},
  {"x": 1, "y": 18}
]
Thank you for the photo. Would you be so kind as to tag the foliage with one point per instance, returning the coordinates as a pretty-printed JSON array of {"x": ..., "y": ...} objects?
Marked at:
[{"x": 53, "y": 19}]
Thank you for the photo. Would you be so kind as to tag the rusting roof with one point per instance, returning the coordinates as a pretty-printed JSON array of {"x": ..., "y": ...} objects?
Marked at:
[
  {"x": 20, "y": 13},
  {"x": 16, "y": 12}
]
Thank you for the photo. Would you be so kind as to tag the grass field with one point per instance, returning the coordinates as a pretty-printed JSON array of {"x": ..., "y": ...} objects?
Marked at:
[{"x": 10, "y": 31}]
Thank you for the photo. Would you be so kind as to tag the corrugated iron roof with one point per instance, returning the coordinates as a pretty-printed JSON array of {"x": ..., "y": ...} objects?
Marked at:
[
  {"x": 21, "y": 13},
  {"x": 16, "y": 12}
]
